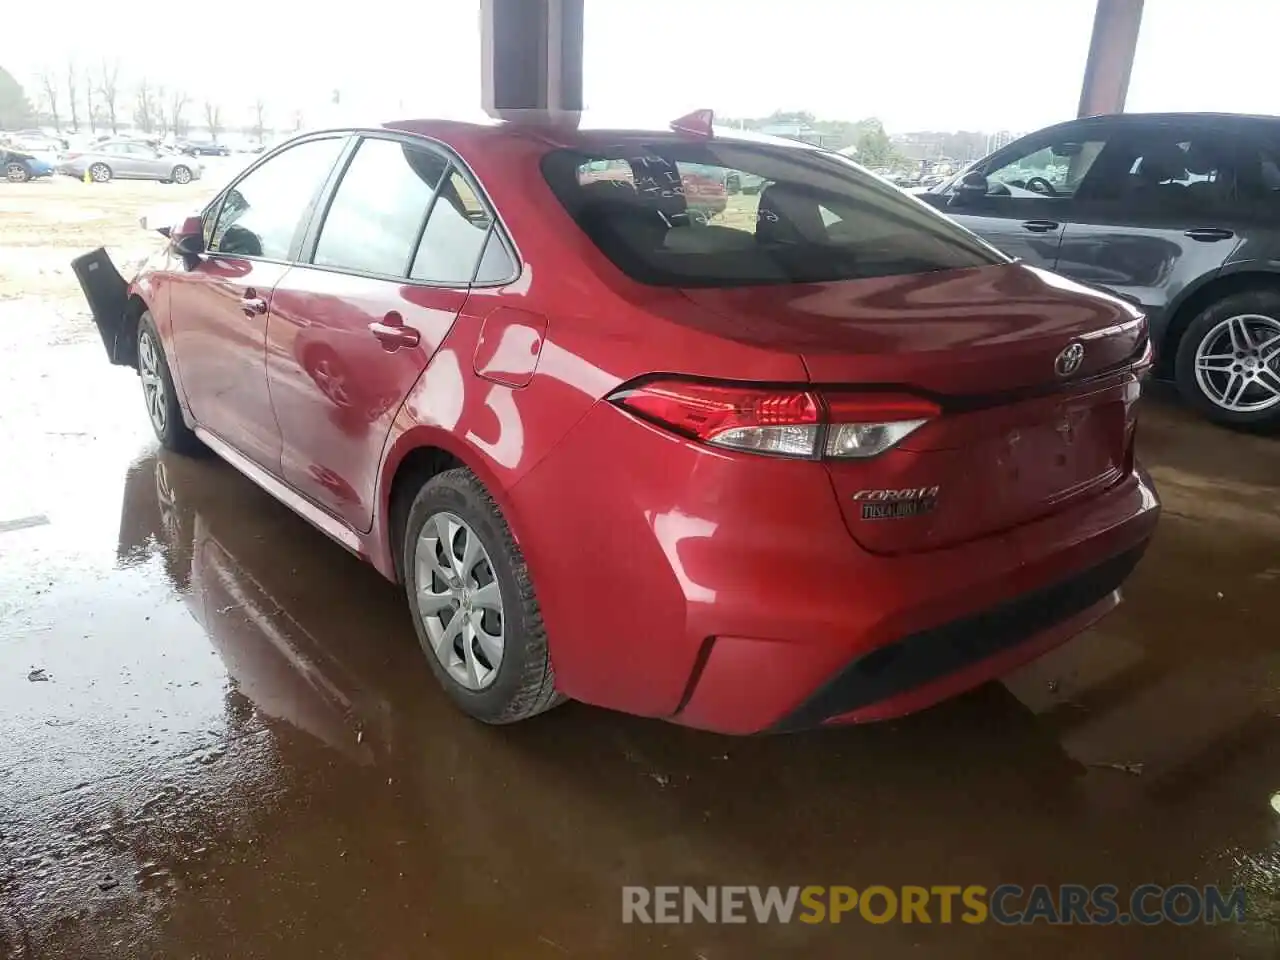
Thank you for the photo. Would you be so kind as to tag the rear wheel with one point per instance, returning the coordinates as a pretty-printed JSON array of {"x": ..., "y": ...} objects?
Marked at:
[
  {"x": 1228, "y": 361},
  {"x": 100, "y": 173},
  {"x": 158, "y": 392},
  {"x": 181, "y": 174},
  {"x": 16, "y": 172},
  {"x": 474, "y": 609}
]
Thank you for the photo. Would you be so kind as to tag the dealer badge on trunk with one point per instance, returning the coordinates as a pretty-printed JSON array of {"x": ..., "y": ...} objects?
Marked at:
[{"x": 896, "y": 504}]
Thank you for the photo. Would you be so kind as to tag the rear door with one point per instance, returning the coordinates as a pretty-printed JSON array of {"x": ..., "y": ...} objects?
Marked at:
[
  {"x": 118, "y": 157},
  {"x": 1031, "y": 192},
  {"x": 1159, "y": 211},
  {"x": 220, "y": 302},
  {"x": 391, "y": 263}
]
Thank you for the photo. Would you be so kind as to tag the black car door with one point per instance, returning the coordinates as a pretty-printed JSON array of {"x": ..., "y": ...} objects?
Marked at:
[
  {"x": 1158, "y": 213},
  {"x": 1031, "y": 186}
]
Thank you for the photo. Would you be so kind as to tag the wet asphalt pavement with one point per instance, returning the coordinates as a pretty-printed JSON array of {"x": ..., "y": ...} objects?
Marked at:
[{"x": 221, "y": 741}]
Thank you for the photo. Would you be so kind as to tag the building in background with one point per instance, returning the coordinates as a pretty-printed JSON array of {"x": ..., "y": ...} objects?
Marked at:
[{"x": 1001, "y": 138}]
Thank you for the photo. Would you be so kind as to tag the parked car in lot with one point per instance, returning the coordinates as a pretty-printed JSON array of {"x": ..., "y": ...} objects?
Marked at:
[
  {"x": 1179, "y": 213},
  {"x": 831, "y": 464},
  {"x": 130, "y": 160},
  {"x": 19, "y": 167},
  {"x": 35, "y": 141},
  {"x": 203, "y": 148}
]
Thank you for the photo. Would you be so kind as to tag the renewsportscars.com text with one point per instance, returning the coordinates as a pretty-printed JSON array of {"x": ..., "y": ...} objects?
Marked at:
[{"x": 1007, "y": 904}]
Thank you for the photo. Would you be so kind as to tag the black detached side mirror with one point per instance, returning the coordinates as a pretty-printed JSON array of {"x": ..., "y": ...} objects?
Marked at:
[
  {"x": 971, "y": 186},
  {"x": 192, "y": 245}
]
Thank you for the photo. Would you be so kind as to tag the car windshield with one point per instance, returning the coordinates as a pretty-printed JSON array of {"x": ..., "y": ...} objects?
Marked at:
[{"x": 731, "y": 213}]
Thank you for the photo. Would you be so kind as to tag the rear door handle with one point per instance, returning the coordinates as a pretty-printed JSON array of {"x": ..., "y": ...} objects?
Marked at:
[
  {"x": 393, "y": 334},
  {"x": 1209, "y": 234},
  {"x": 1040, "y": 226},
  {"x": 252, "y": 304}
]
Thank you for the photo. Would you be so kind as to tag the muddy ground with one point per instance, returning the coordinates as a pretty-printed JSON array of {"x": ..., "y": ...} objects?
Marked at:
[{"x": 218, "y": 738}]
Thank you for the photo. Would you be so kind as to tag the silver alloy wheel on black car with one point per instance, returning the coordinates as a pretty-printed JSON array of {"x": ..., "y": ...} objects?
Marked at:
[
  {"x": 181, "y": 174},
  {"x": 1238, "y": 363},
  {"x": 100, "y": 173},
  {"x": 459, "y": 600},
  {"x": 1228, "y": 359},
  {"x": 153, "y": 389}
]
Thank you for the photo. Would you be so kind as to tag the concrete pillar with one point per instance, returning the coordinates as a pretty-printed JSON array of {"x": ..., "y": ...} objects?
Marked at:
[
  {"x": 531, "y": 58},
  {"x": 1106, "y": 74}
]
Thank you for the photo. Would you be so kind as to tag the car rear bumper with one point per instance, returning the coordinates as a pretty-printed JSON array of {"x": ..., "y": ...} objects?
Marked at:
[{"x": 725, "y": 593}]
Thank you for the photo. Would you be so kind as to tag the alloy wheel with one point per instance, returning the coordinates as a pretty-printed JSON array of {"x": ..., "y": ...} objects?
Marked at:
[
  {"x": 152, "y": 381},
  {"x": 100, "y": 173},
  {"x": 1237, "y": 363},
  {"x": 181, "y": 175},
  {"x": 459, "y": 600},
  {"x": 16, "y": 173}
]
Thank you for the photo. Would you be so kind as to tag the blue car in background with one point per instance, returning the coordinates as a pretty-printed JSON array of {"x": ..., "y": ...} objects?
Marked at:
[{"x": 19, "y": 167}]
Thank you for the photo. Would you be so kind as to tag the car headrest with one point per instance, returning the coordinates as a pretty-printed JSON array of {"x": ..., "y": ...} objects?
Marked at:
[
  {"x": 1163, "y": 162},
  {"x": 788, "y": 214},
  {"x": 1200, "y": 160}
]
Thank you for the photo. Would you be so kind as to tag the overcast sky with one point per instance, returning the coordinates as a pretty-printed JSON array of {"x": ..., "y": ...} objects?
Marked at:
[{"x": 919, "y": 64}]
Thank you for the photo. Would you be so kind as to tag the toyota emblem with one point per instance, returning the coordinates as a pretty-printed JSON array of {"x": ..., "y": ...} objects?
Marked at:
[{"x": 1069, "y": 360}]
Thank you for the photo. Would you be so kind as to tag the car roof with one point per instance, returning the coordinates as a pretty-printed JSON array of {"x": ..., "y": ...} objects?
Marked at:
[
  {"x": 590, "y": 128},
  {"x": 1104, "y": 118}
]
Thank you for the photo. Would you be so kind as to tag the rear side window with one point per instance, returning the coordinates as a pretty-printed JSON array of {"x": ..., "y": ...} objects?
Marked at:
[
  {"x": 1166, "y": 169},
  {"x": 378, "y": 209},
  {"x": 723, "y": 213},
  {"x": 454, "y": 236},
  {"x": 261, "y": 214}
]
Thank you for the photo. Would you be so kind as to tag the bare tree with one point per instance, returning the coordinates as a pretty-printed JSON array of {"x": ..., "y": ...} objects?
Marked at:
[
  {"x": 109, "y": 88},
  {"x": 49, "y": 92},
  {"x": 213, "y": 119},
  {"x": 161, "y": 97},
  {"x": 90, "y": 105},
  {"x": 73, "y": 95},
  {"x": 259, "y": 119},
  {"x": 144, "y": 107},
  {"x": 178, "y": 102}
]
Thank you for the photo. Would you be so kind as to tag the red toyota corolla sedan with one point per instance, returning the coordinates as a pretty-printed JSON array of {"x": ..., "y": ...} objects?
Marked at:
[{"x": 822, "y": 457}]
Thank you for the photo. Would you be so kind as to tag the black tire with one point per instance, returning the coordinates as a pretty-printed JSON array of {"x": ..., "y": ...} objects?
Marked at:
[
  {"x": 170, "y": 429},
  {"x": 1262, "y": 301},
  {"x": 16, "y": 172},
  {"x": 181, "y": 174},
  {"x": 524, "y": 685},
  {"x": 99, "y": 173}
]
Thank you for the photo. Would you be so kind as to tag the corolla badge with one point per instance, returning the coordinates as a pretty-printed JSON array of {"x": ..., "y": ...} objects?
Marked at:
[{"x": 1069, "y": 360}]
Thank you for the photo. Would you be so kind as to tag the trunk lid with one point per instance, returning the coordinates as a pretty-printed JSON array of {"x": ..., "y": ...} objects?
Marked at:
[{"x": 1032, "y": 373}]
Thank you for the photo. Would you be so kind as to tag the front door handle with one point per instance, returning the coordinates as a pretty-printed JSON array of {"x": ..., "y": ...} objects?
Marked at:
[
  {"x": 1209, "y": 234},
  {"x": 393, "y": 334},
  {"x": 252, "y": 304},
  {"x": 1040, "y": 226}
]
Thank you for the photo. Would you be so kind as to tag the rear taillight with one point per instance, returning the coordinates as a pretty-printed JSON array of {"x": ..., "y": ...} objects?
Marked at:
[{"x": 783, "y": 421}]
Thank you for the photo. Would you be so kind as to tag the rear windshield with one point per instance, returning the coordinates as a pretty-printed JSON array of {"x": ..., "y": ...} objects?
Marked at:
[{"x": 724, "y": 213}]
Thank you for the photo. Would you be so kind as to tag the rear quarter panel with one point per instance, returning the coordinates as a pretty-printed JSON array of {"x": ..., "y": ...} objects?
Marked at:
[{"x": 601, "y": 329}]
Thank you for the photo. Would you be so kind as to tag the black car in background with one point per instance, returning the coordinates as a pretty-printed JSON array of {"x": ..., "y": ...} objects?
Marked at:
[
  {"x": 203, "y": 148},
  {"x": 1179, "y": 213}
]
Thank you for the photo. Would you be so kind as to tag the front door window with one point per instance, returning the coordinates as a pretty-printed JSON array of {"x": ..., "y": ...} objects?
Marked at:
[{"x": 1048, "y": 170}]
